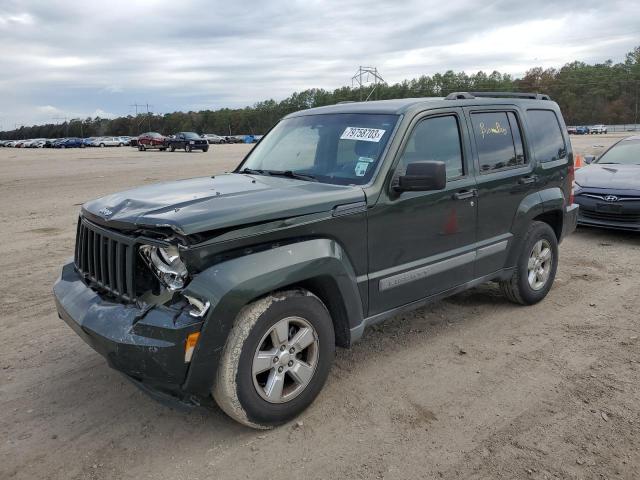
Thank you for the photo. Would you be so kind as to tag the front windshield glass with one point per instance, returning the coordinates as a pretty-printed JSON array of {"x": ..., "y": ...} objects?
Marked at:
[
  {"x": 342, "y": 149},
  {"x": 627, "y": 152},
  {"x": 191, "y": 135}
]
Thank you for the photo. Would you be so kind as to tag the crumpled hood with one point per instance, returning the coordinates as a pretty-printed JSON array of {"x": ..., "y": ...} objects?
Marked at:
[
  {"x": 202, "y": 204},
  {"x": 623, "y": 177}
]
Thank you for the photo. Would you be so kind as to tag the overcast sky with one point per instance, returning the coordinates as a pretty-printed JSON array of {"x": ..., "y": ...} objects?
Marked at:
[{"x": 84, "y": 58}]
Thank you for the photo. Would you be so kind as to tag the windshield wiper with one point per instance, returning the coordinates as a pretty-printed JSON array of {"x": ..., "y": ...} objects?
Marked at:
[
  {"x": 280, "y": 173},
  {"x": 252, "y": 171},
  {"x": 292, "y": 174}
]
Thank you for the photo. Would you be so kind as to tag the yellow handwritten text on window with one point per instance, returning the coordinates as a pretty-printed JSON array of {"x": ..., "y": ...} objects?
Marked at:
[{"x": 496, "y": 129}]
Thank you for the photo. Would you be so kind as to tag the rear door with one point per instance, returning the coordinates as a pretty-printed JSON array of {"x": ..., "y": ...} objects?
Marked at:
[{"x": 505, "y": 177}]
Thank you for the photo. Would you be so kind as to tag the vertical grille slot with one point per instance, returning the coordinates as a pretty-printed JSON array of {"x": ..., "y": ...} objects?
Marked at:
[{"x": 106, "y": 260}]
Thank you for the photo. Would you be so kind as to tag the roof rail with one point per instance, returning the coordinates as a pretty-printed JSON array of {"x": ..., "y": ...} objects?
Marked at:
[
  {"x": 345, "y": 101},
  {"x": 459, "y": 96},
  {"x": 472, "y": 95}
]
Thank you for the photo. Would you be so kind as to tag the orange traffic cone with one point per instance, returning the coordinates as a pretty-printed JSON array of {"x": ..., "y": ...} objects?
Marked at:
[{"x": 577, "y": 161}]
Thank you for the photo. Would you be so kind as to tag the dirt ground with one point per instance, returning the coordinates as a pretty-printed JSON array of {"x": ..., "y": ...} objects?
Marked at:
[{"x": 470, "y": 387}]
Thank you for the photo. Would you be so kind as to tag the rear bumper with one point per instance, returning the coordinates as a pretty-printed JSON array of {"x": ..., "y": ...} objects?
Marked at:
[
  {"x": 147, "y": 345},
  {"x": 570, "y": 220}
]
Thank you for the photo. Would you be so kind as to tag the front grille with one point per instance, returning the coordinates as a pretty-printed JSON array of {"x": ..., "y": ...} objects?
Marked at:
[
  {"x": 610, "y": 216},
  {"x": 106, "y": 260}
]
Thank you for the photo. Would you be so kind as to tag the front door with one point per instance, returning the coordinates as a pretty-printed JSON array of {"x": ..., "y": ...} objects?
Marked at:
[{"x": 422, "y": 243}]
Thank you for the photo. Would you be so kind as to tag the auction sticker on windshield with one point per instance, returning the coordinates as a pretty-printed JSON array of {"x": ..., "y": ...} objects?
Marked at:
[{"x": 364, "y": 134}]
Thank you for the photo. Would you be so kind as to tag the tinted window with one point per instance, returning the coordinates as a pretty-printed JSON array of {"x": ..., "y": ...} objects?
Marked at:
[
  {"x": 546, "y": 135},
  {"x": 498, "y": 140},
  {"x": 436, "y": 139}
]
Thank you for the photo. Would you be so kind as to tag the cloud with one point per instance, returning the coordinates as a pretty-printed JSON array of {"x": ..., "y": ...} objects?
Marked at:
[
  {"x": 80, "y": 56},
  {"x": 16, "y": 19}
]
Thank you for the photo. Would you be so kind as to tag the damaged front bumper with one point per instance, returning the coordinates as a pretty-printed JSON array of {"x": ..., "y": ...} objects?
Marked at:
[{"x": 146, "y": 344}]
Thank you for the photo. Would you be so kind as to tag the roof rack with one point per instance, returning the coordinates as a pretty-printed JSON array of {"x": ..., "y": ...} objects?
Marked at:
[{"x": 472, "y": 95}]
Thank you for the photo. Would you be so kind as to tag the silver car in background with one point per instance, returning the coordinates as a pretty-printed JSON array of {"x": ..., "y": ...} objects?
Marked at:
[
  {"x": 212, "y": 138},
  {"x": 108, "y": 142}
]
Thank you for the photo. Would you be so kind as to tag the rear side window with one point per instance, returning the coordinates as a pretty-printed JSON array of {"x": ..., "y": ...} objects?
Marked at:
[
  {"x": 438, "y": 139},
  {"x": 498, "y": 140},
  {"x": 546, "y": 137}
]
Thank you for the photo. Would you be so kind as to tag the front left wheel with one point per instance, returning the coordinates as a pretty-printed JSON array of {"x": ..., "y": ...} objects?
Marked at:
[{"x": 276, "y": 359}]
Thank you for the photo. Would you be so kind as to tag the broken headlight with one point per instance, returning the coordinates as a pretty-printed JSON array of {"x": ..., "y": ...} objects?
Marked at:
[{"x": 166, "y": 264}]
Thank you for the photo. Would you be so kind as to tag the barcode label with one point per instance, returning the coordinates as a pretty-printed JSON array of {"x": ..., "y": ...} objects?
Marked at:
[{"x": 364, "y": 134}]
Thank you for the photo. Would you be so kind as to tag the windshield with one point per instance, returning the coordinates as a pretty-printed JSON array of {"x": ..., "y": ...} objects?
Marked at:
[
  {"x": 191, "y": 135},
  {"x": 627, "y": 152},
  {"x": 334, "y": 148}
]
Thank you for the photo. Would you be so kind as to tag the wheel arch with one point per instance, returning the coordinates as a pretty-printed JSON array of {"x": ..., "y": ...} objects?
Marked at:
[
  {"x": 545, "y": 205},
  {"x": 319, "y": 265},
  {"x": 554, "y": 219}
]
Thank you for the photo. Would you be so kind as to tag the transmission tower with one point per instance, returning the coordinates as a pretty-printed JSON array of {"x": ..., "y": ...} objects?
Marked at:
[
  {"x": 367, "y": 76},
  {"x": 139, "y": 105}
]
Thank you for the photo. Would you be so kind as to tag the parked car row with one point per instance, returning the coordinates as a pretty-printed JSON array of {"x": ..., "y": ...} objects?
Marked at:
[
  {"x": 187, "y": 141},
  {"x": 582, "y": 130},
  {"x": 71, "y": 142},
  {"x": 145, "y": 141}
]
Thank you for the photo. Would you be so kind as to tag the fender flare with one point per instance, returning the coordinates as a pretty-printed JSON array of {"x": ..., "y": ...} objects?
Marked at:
[
  {"x": 533, "y": 205},
  {"x": 530, "y": 207},
  {"x": 230, "y": 285}
]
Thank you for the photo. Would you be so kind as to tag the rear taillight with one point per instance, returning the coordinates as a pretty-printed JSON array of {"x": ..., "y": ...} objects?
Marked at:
[{"x": 571, "y": 177}]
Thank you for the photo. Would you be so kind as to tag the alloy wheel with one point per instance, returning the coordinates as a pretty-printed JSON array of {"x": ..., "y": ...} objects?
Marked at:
[
  {"x": 286, "y": 359},
  {"x": 540, "y": 264}
]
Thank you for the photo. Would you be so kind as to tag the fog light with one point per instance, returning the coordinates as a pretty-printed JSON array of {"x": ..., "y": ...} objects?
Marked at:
[{"x": 192, "y": 341}]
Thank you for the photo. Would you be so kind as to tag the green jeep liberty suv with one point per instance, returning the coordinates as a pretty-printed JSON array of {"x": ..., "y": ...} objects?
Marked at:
[{"x": 238, "y": 287}]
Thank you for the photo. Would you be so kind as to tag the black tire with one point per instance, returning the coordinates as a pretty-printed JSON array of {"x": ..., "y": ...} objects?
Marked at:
[
  {"x": 205, "y": 149},
  {"x": 187, "y": 148},
  {"x": 142, "y": 147},
  {"x": 234, "y": 389},
  {"x": 172, "y": 148},
  {"x": 518, "y": 288},
  {"x": 121, "y": 144},
  {"x": 102, "y": 145},
  {"x": 163, "y": 149}
]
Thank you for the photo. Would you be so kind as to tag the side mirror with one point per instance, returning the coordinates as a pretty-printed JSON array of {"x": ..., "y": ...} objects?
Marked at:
[
  {"x": 589, "y": 159},
  {"x": 423, "y": 176}
]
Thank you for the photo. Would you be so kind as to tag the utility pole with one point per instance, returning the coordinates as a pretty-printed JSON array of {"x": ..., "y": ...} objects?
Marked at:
[
  {"x": 149, "y": 116},
  {"x": 81, "y": 126},
  {"x": 66, "y": 124},
  {"x": 635, "y": 119},
  {"x": 363, "y": 76}
]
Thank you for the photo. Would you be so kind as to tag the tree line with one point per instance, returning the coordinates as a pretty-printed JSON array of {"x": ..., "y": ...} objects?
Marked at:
[{"x": 587, "y": 94}]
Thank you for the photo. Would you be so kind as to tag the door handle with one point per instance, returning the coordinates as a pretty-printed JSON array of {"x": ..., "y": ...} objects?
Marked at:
[
  {"x": 528, "y": 179},
  {"x": 464, "y": 194}
]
